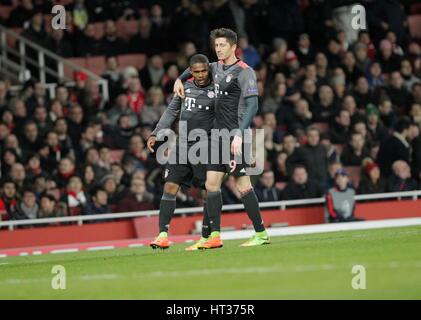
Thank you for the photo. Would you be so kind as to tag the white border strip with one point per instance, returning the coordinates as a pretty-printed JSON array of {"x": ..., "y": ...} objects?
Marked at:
[{"x": 323, "y": 228}]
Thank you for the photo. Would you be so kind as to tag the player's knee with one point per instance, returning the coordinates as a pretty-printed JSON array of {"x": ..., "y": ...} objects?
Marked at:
[
  {"x": 212, "y": 186},
  {"x": 171, "y": 188}
]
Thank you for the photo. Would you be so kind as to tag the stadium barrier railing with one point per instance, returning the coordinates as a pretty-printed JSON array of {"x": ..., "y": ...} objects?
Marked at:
[
  {"x": 282, "y": 205},
  {"x": 14, "y": 62}
]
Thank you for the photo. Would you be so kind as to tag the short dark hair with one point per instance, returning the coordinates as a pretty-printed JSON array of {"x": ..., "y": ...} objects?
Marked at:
[
  {"x": 198, "y": 58},
  {"x": 402, "y": 125},
  {"x": 299, "y": 166},
  {"x": 226, "y": 33},
  {"x": 49, "y": 197}
]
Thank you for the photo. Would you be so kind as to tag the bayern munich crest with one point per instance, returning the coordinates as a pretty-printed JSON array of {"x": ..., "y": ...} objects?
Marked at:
[{"x": 211, "y": 94}]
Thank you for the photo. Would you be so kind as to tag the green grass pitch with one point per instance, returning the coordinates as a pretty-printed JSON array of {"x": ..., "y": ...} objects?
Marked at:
[{"x": 316, "y": 266}]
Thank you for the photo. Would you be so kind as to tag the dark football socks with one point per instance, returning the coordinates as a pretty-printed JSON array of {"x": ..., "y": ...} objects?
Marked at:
[{"x": 251, "y": 205}]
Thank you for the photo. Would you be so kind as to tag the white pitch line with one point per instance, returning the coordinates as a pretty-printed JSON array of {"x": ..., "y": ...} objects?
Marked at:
[
  {"x": 64, "y": 250},
  {"x": 3, "y": 255},
  {"x": 100, "y": 248},
  {"x": 135, "y": 245}
]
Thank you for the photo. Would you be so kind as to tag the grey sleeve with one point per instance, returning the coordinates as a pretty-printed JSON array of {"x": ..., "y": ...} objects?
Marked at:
[
  {"x": 251, "y": 106},
  {"x": 169, "y": 116},
  {"x": 185, "y": 75},
  {"x": 248, "y": 83}
]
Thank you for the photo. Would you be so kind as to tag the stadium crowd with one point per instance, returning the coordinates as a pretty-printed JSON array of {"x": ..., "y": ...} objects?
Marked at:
[{"x": 331, "y": 97}]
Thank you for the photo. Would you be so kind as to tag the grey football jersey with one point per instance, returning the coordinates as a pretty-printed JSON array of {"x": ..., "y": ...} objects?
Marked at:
[
  {"x": 232, "y": 85},
  {"x": 197, "y": 109}
]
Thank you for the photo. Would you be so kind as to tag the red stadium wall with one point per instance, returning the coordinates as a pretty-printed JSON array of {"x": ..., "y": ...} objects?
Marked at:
[{"x": 146, "y": 227}]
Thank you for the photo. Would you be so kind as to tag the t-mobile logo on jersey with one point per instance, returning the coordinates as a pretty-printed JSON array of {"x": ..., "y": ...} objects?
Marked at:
[
  {"x": 190, "y": 103},
  {"x": 219, "y": 92}
]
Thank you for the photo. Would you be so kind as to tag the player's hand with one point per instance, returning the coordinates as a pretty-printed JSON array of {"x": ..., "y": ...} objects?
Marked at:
[
  {"x": 150, "y": 143},
  {"x": 236, "y": 146},
  {"x": 179, "y": 88}
]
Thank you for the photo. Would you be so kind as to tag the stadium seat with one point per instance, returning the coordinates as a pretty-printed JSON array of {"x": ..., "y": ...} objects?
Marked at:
[
  {"x": 5, "y": 11},
  {"x": 136, "y": 60},
  {"x": 322, "y": 126},
  {"x": 415, "y": 8},
  {"x": 68, "y": 72},
  {"x": 169, "y": 56},
  {"x": 354, "y": 173},
  {"x": 96, "y": 64},
  {"x": 127, "y": 29},
  {"x": 414, "y": 23},
  {"x": 99, "y": 30},
  {"x": 116, "y": 155}
]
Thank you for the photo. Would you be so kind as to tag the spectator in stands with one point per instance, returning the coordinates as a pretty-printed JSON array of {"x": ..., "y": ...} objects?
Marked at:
[
  {"x": 341, "y": 128},
  {"x": 57, "y": 43},
  {"x": 122, "y": 133},
  {"x": 389, "y": 61},
  {"x": 250, "y": 54},
  {"x": 153, "y": 72},
  {"x": 143, "y": 41},
  {"x": 154, "y": 107},
  {"x": 388, "y": 114},
  {"x": 49, "y": 208},
  {"x": 12, "y": 142},
  {"x": 349, "y": 65},
  {"x": 292, "y": 151},
  {"x": 113, "y": 75},
  {"x": 122, "y": 107},
  {"x": 105, "y": 160},
  {"x": 355, "y": 151},
  {"x": 110, "y": 42},
  {"x": 21, "y": 14},
  {"x": 266, "y": 190},
  {"x": 340, "y": 200},
  {"x": 88, "y": 178},
  {"x": 66, "y": 169},
  {"x": 409, "y": 79},
  {"x": 9, "y": 158},
  {"x": 416, "y": 89},
  {"x": 35, "y": 32},
  {"x": 394, "y": 148},
  {"x": 20, "y": 114},
  {"x": 18, "y": 176},
  {"x": 61, "y": 128},
  {"x": 137, "y": 199},
  {"x": 331, "y": 151},
  {"x": 33, "y": 168},
  {"x": 98, "y": 203},
  {"x": 401, "y": 179},
  {"x": 314, "y": 155},
  {"x": 135, "y": 95},
  {"x": 375, "y": 76},
  {"x": 87, "y": 44},
  {"x": 136, "y": 151},
  {"x": 27, "y": 208},
  {"x": 8, "y": 199},
  {"x": 43, "y": 121},
  {"x": 280, "y": 168},
  {"x": 76, "y": 124},
  {"x": 111, "y": 184},
  {"x": 326, "y": 108},
  {"x": 80, "y": 14},
  {"x": 376, "y": 130},
  {"x": 302, "y": 118},
  {"x": 397, "y": 92},
  {"x": 62, "y": 95},
  {"x": 301, "y": 187},
  {"x": 371, "y": 180},
  {"x": 74, "y": 196},
  {"x": 273, "y": 102},
  {"x": 37, "y": 98}
]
